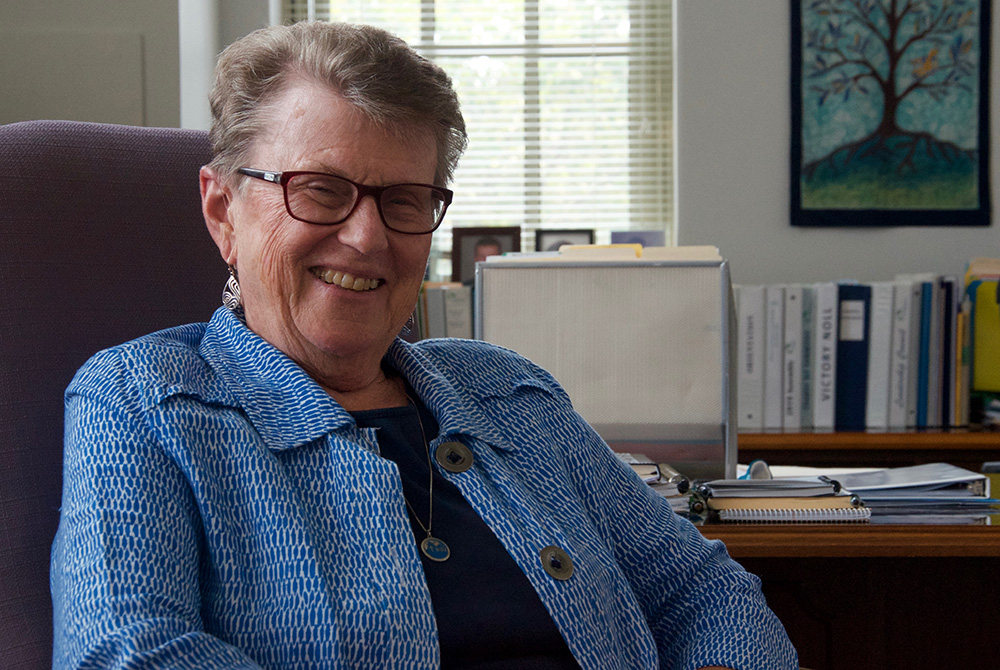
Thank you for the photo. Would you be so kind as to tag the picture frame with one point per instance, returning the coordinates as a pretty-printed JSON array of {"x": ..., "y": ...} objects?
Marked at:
[
  {"x": 870, "y": 151},
  {"x": 470, "y": 244},
  {"x": 551, "y": 240}
]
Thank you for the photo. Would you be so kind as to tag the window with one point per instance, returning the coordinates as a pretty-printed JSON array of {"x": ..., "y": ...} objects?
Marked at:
[{"x": 568, "y": 106}]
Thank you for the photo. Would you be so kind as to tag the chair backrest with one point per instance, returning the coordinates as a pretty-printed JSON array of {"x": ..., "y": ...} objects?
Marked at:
[{"x": 101, "y": 240}]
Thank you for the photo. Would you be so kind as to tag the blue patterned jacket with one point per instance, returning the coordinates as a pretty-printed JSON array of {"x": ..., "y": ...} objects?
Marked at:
[{"x": 220, "y": 510}]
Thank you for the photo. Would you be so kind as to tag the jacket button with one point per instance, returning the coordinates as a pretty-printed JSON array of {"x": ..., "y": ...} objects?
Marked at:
[
  {"x": 557, "y": 562},
  {"x": 453, "y": 456}
]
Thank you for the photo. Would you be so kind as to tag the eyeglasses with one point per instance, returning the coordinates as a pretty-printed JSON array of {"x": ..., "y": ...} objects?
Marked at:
[{"x": 326, "y": 199}]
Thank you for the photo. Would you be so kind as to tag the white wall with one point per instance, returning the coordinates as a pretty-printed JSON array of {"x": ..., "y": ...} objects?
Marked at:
[
  {"x": 733, "y": 126},
  {"x": 89, "y": 60}
]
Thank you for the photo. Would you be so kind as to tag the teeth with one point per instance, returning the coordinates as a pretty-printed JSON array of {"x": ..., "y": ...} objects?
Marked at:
[{"x": 345, "y": 280}]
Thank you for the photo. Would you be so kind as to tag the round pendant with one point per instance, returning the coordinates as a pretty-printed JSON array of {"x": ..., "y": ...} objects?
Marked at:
[{"x": 435, "y": 549}]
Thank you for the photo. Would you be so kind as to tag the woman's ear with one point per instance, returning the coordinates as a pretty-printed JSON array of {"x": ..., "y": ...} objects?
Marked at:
[{"x": 216, "y": 200}]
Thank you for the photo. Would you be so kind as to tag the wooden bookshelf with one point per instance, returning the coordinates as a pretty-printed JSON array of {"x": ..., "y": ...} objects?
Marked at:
[{"x": 965, "y": 448}]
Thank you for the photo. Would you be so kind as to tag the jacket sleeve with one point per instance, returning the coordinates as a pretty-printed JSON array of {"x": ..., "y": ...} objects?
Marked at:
[
  {"x": 125, "y": 561},
  {"x": 702, "y": 608}
]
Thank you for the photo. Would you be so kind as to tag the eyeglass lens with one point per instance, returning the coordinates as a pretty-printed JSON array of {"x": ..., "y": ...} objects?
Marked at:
[{"x": 319, "y": 198}]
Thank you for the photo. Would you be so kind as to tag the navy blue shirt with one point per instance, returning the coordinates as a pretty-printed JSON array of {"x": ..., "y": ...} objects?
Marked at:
[{"x": 488, "y": 614}]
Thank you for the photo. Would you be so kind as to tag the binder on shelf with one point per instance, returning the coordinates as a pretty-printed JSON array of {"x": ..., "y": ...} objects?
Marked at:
[
  {"x": 774, "y": 356},
  {"x": 825, "y": 355},
  {"x": 929, "y": 358},
  {"x": 444, "y": 310},
  {"x": 434, "y": 319},
  {"x": 808, "y": 340},
  {"x": 901, "y": 355},
  {"x": 852, "y": 356},
  {"x": 983, "y": 295},
  {"x": 963, "y": 376},
  {"x": 791, "y": 406},
  {"x": 458, "y": 310},
  {"x": 880, "y": 329},
  {"x": 916, "y": 321},
  {"x": 750, "y": 357}
]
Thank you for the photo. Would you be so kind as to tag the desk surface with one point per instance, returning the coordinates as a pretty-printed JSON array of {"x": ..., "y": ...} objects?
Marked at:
[{"x": 854, "y": 540}]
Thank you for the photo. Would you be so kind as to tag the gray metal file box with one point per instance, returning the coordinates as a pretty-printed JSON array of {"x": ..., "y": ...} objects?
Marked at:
[{"x": 645, "y": 349}]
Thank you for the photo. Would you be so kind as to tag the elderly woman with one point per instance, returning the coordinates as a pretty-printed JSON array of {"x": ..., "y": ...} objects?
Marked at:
[{"x": 291, "y": 486}]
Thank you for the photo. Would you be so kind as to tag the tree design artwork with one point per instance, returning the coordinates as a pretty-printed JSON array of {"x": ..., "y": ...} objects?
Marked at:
[{"x": 890, "y": 103}]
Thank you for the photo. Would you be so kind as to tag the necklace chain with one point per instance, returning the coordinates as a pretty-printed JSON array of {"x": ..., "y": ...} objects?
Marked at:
[
  {"x": 430, "y": 476},
  {"x": 432, "y": 547}
]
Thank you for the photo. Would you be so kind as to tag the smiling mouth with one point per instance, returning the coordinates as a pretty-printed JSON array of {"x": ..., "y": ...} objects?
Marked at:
[{"x": 346, "y": 280}]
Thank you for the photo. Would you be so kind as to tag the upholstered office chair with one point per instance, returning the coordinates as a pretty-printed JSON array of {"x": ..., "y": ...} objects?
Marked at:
[{"x": 101, "y": 240}]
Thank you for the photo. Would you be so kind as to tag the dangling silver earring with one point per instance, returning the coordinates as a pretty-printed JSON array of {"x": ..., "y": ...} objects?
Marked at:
[{"x": 231, "y": 294}]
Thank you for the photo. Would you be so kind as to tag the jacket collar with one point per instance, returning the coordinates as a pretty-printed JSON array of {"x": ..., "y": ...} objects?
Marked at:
[
  {"x": 459, "y": 404},
  {"x": 289, "y": 409},
  {"x": 286, "y": 406}
]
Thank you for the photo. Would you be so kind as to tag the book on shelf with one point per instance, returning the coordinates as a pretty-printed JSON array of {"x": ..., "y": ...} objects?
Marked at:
[
  {"x": 950, "y": 301},
  {"x": 824, "y": 372},
  {"x": 852, "y": 356},
  {"x": 791, "y": 383},
  {"x": 750, "y": 356},
  {"x": 444, "y": 310},
  {"x": 928, "y": 394},
  {"x": 433, "y": 305},
  {"x": 903, "y": 358},
  {"x": 981, "y": 362},
  {"x": 879, "y": 355},
  {"x": 458, "y": 310},
  {"x": 886, "y": 355},
  {"x": 985, "y": 311},
  {"x": 808, "y": 337},
  {"x": 774, "y": 356}
]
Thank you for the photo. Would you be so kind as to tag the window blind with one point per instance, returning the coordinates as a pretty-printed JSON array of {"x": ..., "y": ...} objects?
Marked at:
[{"x": 568, "y": 105}]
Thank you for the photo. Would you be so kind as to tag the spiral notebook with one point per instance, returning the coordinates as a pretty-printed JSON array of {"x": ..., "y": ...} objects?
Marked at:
[{"x": 841, "y": 514}]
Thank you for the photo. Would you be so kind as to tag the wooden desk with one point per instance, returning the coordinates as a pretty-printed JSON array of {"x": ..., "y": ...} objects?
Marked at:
[{"x": 878, "y": 596}]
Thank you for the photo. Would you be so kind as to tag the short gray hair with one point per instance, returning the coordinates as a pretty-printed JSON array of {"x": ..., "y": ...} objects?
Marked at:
[{"x": 373, "y": 70}]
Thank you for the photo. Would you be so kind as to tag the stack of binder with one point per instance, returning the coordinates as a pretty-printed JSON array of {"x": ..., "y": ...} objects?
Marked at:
[
  {"x": 931, "y": 485},
  {"x": 811, "y": 499}
]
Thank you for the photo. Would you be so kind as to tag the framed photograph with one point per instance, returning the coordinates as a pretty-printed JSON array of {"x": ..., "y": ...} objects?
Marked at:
[
  {"x": 647, "y": 238},
  {"x": 890, "y": 113},
  {"x": 470, "y": 245},
  {"x": 551, "y": 240}
]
